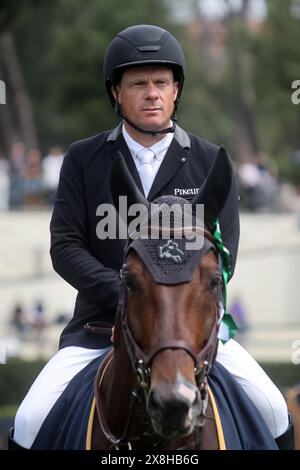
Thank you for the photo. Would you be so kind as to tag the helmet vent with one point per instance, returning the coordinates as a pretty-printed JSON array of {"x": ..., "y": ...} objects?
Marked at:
[{"x": 149, "y": 48}]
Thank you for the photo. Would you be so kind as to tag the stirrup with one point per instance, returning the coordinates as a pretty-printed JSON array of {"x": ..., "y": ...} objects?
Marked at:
[
  {"x": 11, "y": 443},
  {"x": 287, "y": 440}
]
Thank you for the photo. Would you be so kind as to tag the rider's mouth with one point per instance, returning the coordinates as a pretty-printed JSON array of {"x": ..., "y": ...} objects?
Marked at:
[{"x": 151, "y": 110}]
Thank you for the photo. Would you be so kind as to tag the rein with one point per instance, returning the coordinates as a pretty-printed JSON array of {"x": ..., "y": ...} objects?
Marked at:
[{"x": 116, "y": 443}]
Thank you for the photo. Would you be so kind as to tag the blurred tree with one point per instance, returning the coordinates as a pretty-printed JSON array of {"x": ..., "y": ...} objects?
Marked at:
[
  {"x": 238, "y": 83},
  {"x": 241, "y": 82},
  {"x": 18, "y": 125},
  {"x": 205, "y": 105},
  {"x": 225, "y": 87},
  {"x": 61, "y": 46},
  {"x": 276, "y": 55}
]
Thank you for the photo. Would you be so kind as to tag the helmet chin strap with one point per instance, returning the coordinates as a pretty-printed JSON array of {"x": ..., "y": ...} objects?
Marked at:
[{"x": 144, "y": 131}]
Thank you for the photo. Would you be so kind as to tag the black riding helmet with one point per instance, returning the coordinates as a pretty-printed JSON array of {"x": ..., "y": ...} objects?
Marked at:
[{"x": 143, "y": 45}]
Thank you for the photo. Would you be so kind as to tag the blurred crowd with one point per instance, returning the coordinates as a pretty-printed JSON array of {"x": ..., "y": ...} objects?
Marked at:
[
  {"x": 33, "y": 320},
  {"x": 31, "y": 330},
  {"x": 261, "y": 189},
  {"x": 258, "y": 180},
  {"x": 30, "y": 321},
  {"x": 27, "y": 179}
]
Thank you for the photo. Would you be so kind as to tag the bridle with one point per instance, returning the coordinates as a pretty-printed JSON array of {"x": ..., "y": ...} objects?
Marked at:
[{"x": 141, "y": 362}]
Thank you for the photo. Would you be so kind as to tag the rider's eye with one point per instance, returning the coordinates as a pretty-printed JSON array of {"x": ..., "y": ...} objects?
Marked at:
[{"x": 215, "y": 283}]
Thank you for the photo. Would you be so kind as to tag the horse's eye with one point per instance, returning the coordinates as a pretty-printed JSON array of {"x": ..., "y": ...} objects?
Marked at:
[
  {"x": 132, "y": 283},
  {"x": 215, "y": 283}
]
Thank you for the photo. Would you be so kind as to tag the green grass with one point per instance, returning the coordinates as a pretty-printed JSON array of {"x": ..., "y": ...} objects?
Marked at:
[
  {"x": 282, "y": 374},
  {"x": 16, "y": 378},
  {"x": 7, "y": 411}
]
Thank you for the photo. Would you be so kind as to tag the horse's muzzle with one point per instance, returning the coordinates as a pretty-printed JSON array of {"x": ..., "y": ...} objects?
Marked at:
[{"x": 174, "y": 410}]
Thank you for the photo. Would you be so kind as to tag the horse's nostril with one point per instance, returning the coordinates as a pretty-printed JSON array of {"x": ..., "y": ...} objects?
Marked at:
[
  {"x": 167, "y": 406},
  {"x": 171, "y": 412},
  {"x": 153, "y": 402}
]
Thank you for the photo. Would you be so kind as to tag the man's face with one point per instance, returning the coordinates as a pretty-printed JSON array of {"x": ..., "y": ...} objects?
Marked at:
[{"x": 147, "y": 96}]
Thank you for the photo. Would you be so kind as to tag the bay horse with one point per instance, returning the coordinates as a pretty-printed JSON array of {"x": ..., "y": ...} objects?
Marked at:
[{"x": 152, "y": 389}]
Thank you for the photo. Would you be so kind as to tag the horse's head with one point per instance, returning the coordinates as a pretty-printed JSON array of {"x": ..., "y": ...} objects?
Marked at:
[{"x": 169, "y": 304}]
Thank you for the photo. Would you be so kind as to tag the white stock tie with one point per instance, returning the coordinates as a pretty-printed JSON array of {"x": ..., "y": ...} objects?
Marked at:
[{"x": 145, "y": 157}]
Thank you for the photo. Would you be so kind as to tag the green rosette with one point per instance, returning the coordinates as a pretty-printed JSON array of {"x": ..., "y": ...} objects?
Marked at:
[{"x": 228, "y": 326}]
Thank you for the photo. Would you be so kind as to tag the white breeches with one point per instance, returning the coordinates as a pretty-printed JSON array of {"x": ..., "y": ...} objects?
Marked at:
[
  {"x": 256, "y": 384},
  {"x": 67, "y": 362}
]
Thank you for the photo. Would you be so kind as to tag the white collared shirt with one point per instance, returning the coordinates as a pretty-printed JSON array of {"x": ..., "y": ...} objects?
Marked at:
[{"x": 160, "y": 150}]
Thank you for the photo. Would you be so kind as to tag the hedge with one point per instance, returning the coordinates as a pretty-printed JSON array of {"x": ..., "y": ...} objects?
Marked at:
[{"x": 17, "y": 376}]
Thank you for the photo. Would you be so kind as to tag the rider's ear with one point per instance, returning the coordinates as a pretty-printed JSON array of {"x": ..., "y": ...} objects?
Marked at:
[
  {"x": 122, "y": 184},
  {"x": 115, "y": 93},
  {"x": 215, "y": 189}
]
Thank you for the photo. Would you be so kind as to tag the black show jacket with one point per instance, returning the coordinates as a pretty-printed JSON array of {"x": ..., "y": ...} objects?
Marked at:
[{"x": 92, "y": 265}]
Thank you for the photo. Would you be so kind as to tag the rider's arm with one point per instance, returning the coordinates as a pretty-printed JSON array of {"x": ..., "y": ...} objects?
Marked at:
[{"x": 70, "y": 253}]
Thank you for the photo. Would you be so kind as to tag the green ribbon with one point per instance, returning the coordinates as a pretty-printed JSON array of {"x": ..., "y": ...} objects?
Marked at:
[{"x": 228, "y": 326}]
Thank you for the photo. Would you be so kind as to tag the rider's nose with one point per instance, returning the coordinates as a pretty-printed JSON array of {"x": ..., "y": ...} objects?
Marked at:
[{"x": 151, "y": 92}]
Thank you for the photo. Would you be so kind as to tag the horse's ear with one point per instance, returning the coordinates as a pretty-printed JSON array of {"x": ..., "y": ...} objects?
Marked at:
[
  {"x": 122, "y": 184},
  {"x": 215, "y": 189}
]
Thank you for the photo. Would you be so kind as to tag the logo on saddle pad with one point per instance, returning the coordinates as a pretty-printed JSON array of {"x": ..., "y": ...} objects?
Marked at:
[{"x": 171, "y": 251}]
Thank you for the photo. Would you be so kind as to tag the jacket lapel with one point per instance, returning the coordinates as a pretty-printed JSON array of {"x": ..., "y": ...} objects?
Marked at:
[
  {"x": 175, "y": 157},
  {"x": 120, "y": 145}
]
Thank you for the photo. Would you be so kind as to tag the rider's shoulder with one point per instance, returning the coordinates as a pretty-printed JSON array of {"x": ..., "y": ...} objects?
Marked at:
[
  {"x": 204, "y": 148},
  {"x": 89, "y": 144}
]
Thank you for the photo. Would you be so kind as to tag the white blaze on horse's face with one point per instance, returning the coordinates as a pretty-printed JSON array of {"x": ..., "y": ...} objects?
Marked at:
[{"x": 186, "y": 392}]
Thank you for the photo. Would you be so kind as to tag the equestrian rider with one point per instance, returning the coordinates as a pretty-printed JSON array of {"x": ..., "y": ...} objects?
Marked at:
[{"x": 144, "y": 71}]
